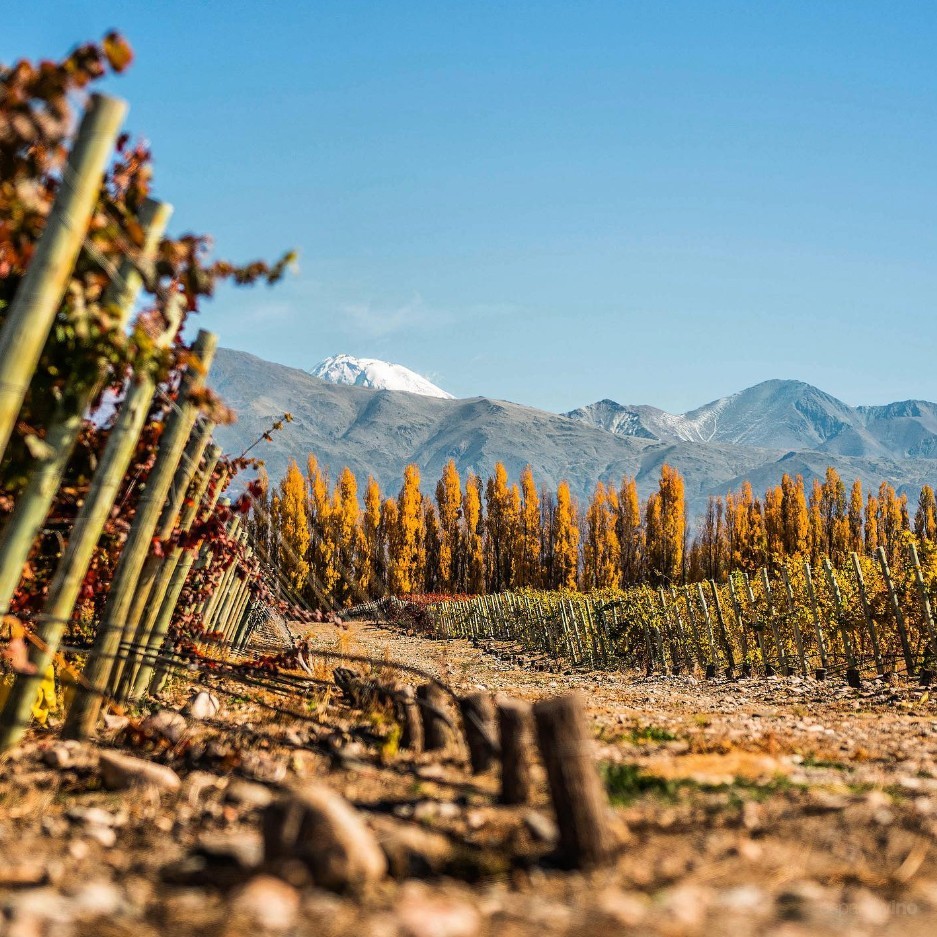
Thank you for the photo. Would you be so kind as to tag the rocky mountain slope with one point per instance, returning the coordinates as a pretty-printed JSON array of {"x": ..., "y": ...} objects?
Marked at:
[
  {"x": 788, "y": 415},
  {"x": 378, "y": 432}
]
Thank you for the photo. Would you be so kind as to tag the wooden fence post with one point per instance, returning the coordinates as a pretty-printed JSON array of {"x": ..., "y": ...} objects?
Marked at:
[
  {"x": 515, "y": 729},
  {"x": 867, "y": 614},
  {"x": 436, "y": 734},
  {"x": 34, "y": 501},
  {"x": 412, "y": 735},
  {"x": 740, "y": 621},
  {"x": 79, "y": 549},
  {"x": 896, "y": 611},
  {"x": 579, "y": 799},
  {"x": 478, "y": 721},
  {"x": 795, "y": 624},
  {"x": 927, "y": 673},
  {"x": 37, "y": 299},
  {"x": 156, "y": 623},
  {"x": 815, "y": 612},
  {"x": 773, "y": 625},
  {"x": 86, "y": 705},
  {"x": 138, "y": 624},
  {"x": 852, "y": 670},
  {"x": 758, "y": 626}
]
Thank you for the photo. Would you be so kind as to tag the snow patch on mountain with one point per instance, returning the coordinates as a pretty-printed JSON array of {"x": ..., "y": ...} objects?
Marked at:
[{"x": 372, "y": 372}]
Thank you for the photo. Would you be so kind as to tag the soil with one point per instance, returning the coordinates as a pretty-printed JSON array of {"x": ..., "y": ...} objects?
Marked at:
[{"x": 758, "y": 806}]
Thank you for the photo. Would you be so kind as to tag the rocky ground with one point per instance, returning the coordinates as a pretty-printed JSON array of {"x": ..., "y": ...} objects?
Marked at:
[{"x": 773, "y": 806}]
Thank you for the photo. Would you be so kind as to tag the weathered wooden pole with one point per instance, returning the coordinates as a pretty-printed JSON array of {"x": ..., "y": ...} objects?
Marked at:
[
  {"x": 45, "y": 476},
  {"x": 713, "y": 653},
  {"x": 852, "y": 670},
  {"x": 138, "y": 623},
  {"x": 155, "y": 624},
  {"x": 515, "y": 729},
  {"x": 818, "y": 628},
  {"x": 867, "y": 615},
  {"x": 723, "y": 633},
  {"x": 795, "y": 624},
  {"x": 758, "y": 626},
  {"x": 432, "y": 699},
  {"x": 79, "y": 549},
  {"x": 214, "y": 599},
  {"x": 773, "y": 625},
  {"x": 86, "y": 704},
  {"x": 896, "y": 610},
  {"x": 740, "y": 621},
  {"x": 411, "y": 737},
  {"x": 579, "y": 799},
  {"x": 29, "y": 318},
  {"x": 697, "y": 641},
  {"x": 478, "y": 721},
  {"x": 177, "y": 583},
  {"x": 926, "y": 674}
]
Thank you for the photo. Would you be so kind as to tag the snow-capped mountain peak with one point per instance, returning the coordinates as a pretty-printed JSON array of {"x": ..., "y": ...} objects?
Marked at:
[{"x": 372, "y": 372}]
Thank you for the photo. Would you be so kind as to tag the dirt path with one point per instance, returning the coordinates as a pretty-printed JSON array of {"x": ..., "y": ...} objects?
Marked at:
[{"x": 756, "y": 807}]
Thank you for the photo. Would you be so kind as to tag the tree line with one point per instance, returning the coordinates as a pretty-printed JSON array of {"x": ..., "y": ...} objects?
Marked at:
[{"x": 489, "y": 535}]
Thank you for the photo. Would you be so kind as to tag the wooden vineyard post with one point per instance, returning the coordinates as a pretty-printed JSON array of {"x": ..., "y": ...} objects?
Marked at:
[
  {"x": 669, "y": 632},
  {"x": 89, "y": 523},
  {"x": 412, "y": 735},
  {"x": 896, "y": 611},
  {"x": 758, "y": 626},
  {"x": 86, "y": 704},
  {"x": 867, "y": 616},
  {"x": 694, "y": 629},
  {"x": 927, "y": 673},
  {"x": 740, "y": 621},
  {"x": 579, "y": 799},
  {"x": 852, "y": 670},
  {"x": 217, "y": 596},
  {"x": 713, "y": 654},
  {"x": 773, "y": 625},
  {"x": 723, "y": 633},
  {"x": 166, "y": 589},
  {"x": 139, "y": 622},
  {"x": 29, "y": 318},
  {"x": 478, "y": 720},
  {"x": 515, "y": 729},
  {"x": 34, "y": 501},
  {"x": 432, "y": 699},
  {"x": 815, "y": 612},
  {"x": 795, "y": 624}
]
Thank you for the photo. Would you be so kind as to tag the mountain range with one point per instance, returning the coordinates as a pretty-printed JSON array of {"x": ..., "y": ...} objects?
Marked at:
[{"x": 755, "y": 435}]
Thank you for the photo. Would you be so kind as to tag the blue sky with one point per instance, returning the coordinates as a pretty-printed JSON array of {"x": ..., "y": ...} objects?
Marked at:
[{"x": 553, "y": 202}]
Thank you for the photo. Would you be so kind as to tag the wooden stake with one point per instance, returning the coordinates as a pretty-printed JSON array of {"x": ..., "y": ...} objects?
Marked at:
[
  {"x": 45, "y": 476},
  {"x": 723, "y": 633},
  {"x": 578, "y": 796},
  {"x": 852, "y": 671},
  {"x": 436, "y": 733},
  {"x": 149, "y": 574},
  {"x": 29, "y": 318},
  {"x": 478, "y": 720},
  {"x": 412, "y": 736},
  {"x": 867, "y": 615},
  {"x": 515, "y": 727},
  {"x": 773, "y": 625},
  {"x": 162, "y": 600},
  {"x": 925, "y": 602},
  {"x": 795, "y": 624},
  {"x": 896, "y": 611},
  {"x": 757, "y": 625},
  {"x": 86, "y": 704},
  {"x": 79, "y": 549},
  {"x": 815, "y": 612}
]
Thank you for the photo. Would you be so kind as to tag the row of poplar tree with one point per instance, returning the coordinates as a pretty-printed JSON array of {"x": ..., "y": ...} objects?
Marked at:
[{"x": 492, "y": 535}]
